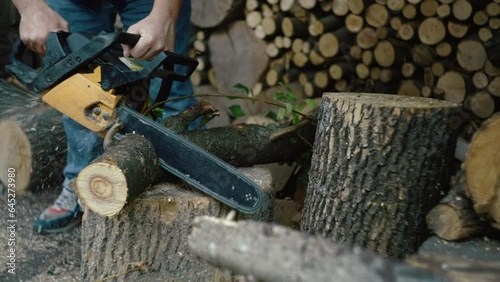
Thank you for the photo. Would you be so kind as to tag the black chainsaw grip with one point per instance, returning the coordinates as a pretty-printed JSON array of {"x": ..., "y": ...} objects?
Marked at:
[
  {"x": 129, "y": 39},
  {"x": 24, "y": 73}
]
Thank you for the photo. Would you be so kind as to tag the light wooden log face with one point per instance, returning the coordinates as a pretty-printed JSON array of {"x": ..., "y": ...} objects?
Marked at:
[
  {"x": 482, "y": 170},
  {"x": 380, "y": 163}
]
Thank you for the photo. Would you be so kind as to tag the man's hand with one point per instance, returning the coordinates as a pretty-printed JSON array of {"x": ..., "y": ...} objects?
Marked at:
[
  {"x": 37, "y": 20},
  {"x": 157, "y": 31}
]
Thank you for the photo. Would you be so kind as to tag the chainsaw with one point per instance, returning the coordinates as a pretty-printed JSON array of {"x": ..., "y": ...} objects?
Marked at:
[{"x": 84, "y": 77}]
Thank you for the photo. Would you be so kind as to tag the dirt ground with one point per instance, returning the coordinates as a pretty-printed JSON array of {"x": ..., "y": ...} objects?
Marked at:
[{"x": 38, "y": 258}]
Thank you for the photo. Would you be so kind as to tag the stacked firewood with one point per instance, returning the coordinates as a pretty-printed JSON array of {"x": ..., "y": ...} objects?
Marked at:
[{"x": 429, "y": 48}]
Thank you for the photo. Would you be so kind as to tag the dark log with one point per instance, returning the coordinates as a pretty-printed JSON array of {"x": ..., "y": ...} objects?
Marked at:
[
  {"x": 33, "y": 140},
  {"x": 381, "y": 165},
  {"x": 275, "y": 253}
]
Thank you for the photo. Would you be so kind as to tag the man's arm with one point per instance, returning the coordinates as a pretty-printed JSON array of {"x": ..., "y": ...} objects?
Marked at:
[
  {"x": 37, "y": 20},
  {"x": 157, "y": 30}
]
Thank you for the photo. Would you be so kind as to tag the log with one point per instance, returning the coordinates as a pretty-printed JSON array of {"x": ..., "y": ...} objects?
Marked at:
[
  {"x": 462, "y": 10},
  {"x": 454, "y": 217},
  {"x": 258, "y": 250},
  {"x": 443, "y": 11},
  {"x": 480, "y": 80},
  {"x": 121, "y": 173},
  {"x": 410, "y": 88},
  {"x": 340, "y": 7},
  {"x": 376, "y": 15},
  {"x": 454, "y": 85},
  {"x": 236, "y": 45},
  {"x": 457, "y": 30},
  {"x": 471, "y": 55},
  {"x": 396, "y": 5},
  {"x": 481, "y": 104},
  {"x": 354, "y": 23},
  {"x": 366, "y": 38},
  {"x": 329, "y": 43},
  {"x": 480, "y": 18},
  {"x": 33, "y": 140},
  {"x": 153, "y": 230},
  {"x": 423, "y": 55},
  {"x": 409, "y": 11},
  {"x": 482, "y": 171},
  {"x": 341, "y": 70},
  {"x": 494, "y": 87},
  {"x": 428, "y": 8},
  {"x": 293, "y": 27},
  {"x": 362, "y": 136},
  {"x": 386, "y": 55},
  {"x": 431, "y": 31},
  {"x": 444, "y": 49},
  {"x": 211, "y": 14}
]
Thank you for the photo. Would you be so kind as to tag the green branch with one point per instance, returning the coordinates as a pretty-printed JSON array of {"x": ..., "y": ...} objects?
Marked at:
[{"x": 277, "y": 104}]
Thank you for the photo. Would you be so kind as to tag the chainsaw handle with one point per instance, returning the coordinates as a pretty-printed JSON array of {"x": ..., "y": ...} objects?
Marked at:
[{"x": 129, "y": 39}]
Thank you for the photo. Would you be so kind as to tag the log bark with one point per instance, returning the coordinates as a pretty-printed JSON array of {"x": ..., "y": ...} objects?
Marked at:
[
  {"x": 355, "y": 194},
  {"x": 236, "y": 45},
  {"x": 153, "y": 229},
  {"x": 211, "y": 14},
  {"x": 33, "y": 140},
  {"x": 482, "y": 171},
  {"x": 454, "y": 217},
  {"x": 276, "y": 253}
]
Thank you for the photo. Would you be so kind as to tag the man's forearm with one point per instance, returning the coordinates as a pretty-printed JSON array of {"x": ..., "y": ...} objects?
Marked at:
[{"x": 166, "y": 9}]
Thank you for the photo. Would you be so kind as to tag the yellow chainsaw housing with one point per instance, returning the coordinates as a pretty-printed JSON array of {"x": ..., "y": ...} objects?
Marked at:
[{"x": 81, "y": 98}]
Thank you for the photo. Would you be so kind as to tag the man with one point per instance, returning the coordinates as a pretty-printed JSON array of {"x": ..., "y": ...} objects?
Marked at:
[{"x": 163, "y": 26}]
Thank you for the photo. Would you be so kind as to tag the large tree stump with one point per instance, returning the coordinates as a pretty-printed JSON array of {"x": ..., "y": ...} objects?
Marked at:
[
  {"x": 482, "y": 170},
  {"x": 154, "y": 229},
  {"x": 275, "y": 253},
  {"x": 33, "y": 141},
  {"x": 237, "y": 56},
  {"x": 380, "y": 163}
]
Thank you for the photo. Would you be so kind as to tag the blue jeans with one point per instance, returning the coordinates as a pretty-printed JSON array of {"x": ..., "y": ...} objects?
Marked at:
[{"x": 84, "y": 145}]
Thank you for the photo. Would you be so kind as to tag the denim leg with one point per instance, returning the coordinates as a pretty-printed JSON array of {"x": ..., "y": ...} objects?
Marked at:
[
  {"x": 83, "y": 145},
  {"x": 132, "y": 12}
]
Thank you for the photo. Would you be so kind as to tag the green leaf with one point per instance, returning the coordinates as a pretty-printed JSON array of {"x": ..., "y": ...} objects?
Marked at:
[
  {"x": 272, "y": 115},
  {"x": 288, "y": 107},
  {"x": 310, "y": 103},
  {"x": 236, "y": 111},
  {"x": 285, "y": 86},
  {"x": 285, "y": 97},
  {"x": 281, "y": 114},
  {"x": 296, "y": 118},
  {"x": 157, "y": 112},
  {"x": 243, "y": 88}
]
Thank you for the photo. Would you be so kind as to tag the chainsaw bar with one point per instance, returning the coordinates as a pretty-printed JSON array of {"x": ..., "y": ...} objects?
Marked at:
[{"x": 194, "y": 164}]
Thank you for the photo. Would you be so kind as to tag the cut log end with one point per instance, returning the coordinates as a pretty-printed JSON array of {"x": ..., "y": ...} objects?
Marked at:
[
  {"x": 102, "y": 187},
  {"x": 482, "y": 168},
  {"x": 15, "y": 150}
]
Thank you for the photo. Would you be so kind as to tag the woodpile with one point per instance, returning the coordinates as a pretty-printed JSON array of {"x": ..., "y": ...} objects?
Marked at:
[{"x": 429, "y": 48}]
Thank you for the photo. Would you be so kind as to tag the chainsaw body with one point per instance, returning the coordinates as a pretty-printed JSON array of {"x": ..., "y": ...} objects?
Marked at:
[{"x": 85, "y": 78}]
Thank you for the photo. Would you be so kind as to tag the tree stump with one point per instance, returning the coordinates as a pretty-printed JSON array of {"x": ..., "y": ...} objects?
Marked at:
[
  {"x": 153, "y": 230},
  {"x": 380, "y": 163},
  {"x": 33, "y": 140}
]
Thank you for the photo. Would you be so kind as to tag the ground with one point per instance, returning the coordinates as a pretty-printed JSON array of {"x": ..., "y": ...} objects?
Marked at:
[{"x": 38, "y": 258}]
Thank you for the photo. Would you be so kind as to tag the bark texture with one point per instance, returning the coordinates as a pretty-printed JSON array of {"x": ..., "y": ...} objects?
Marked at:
[
  {"x": 33, "y": 141},
  {"x": 380, "y": 163},
  {"x": 153, "y": 229},
  {"x": 275, "y": 253}
]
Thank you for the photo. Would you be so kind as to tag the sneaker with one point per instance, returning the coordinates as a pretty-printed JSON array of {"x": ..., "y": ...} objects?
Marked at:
[{"x": 64, "y": 215}]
